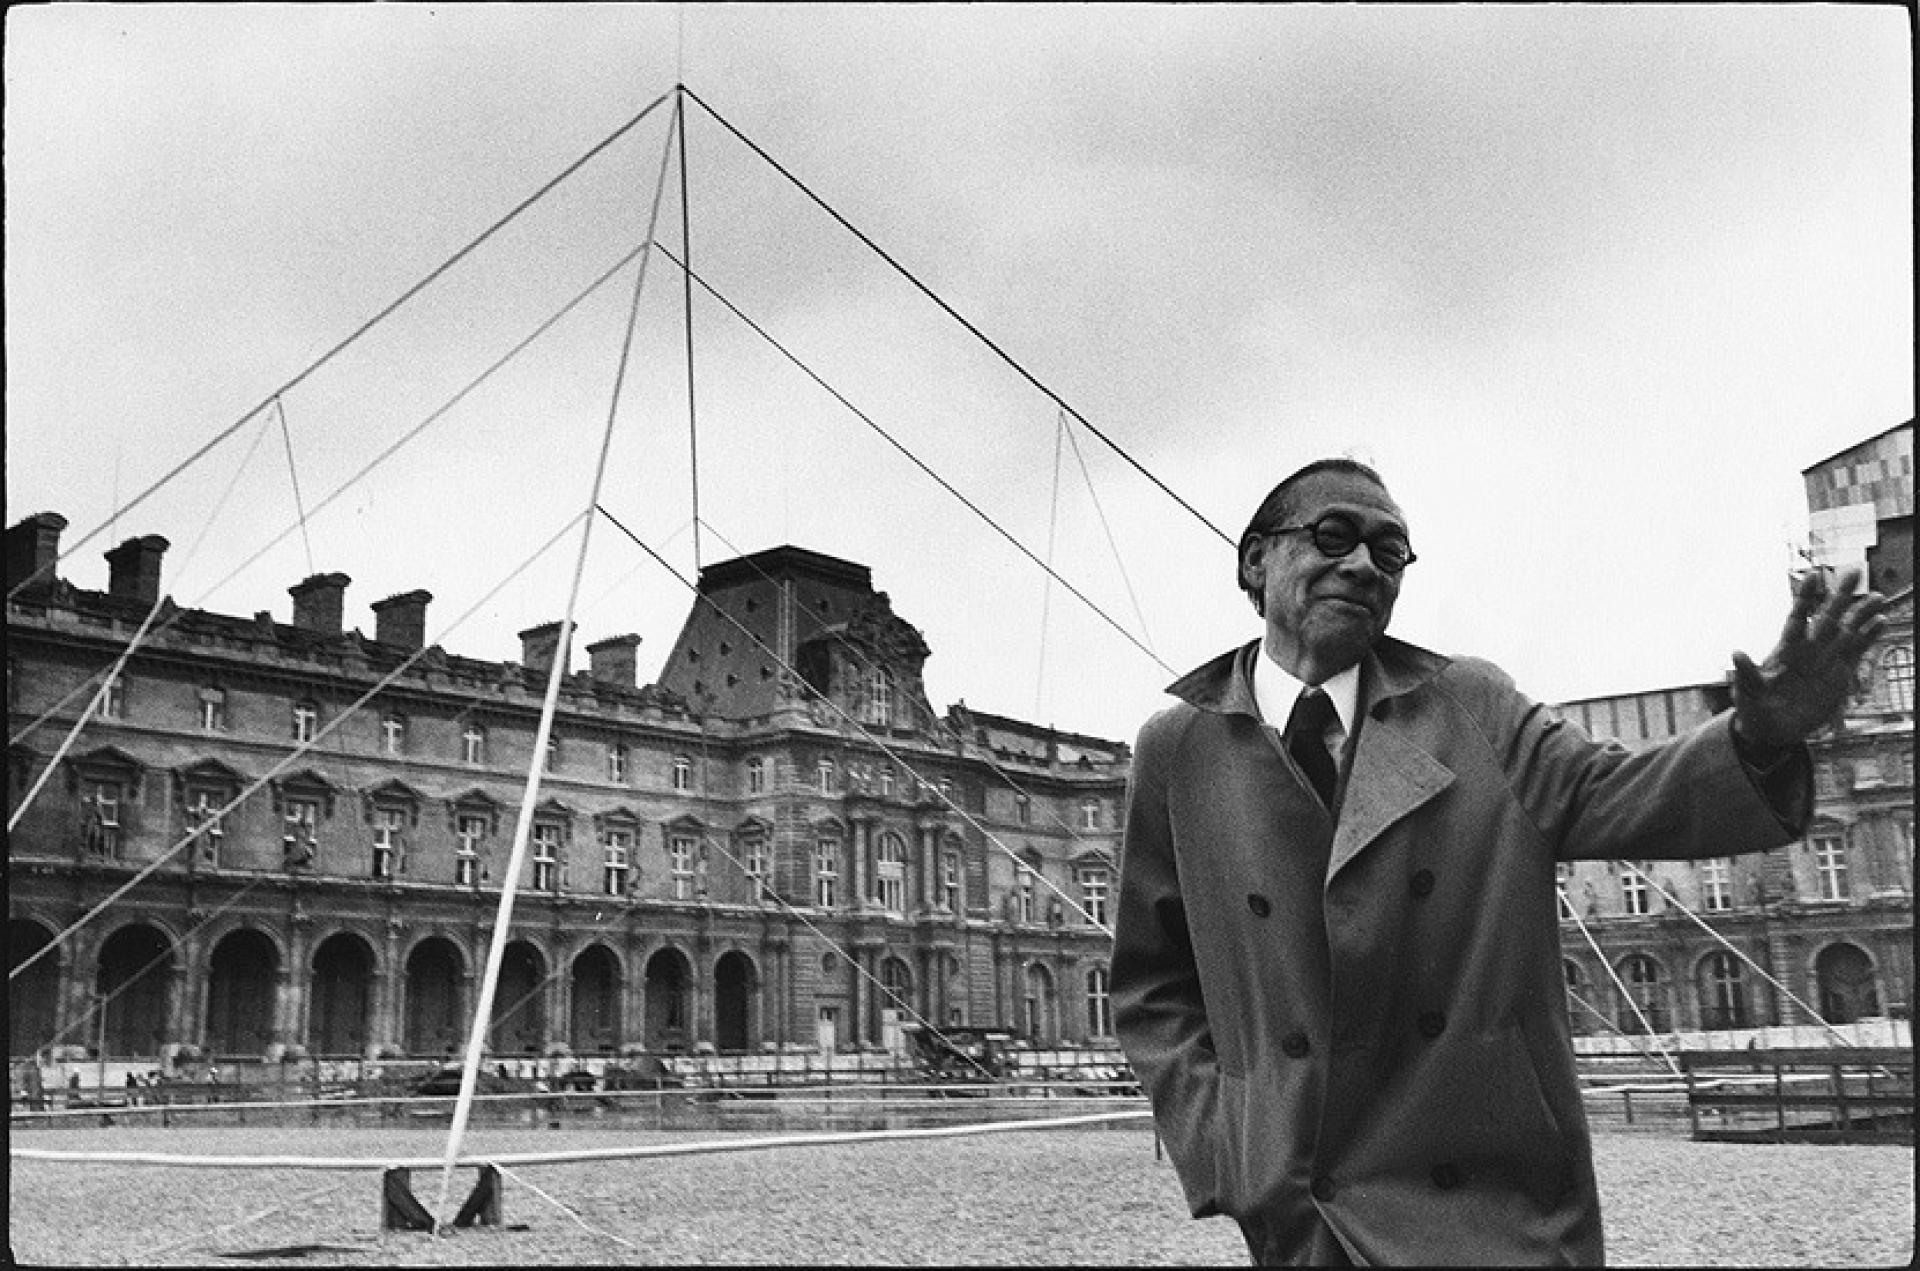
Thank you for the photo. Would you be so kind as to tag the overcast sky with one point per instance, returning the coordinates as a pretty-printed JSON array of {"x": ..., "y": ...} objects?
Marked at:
[{"x": 1590, "y": 286}]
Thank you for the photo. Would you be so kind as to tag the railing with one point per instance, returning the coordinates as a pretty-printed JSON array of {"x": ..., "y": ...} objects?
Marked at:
[{"x": 1779, "y": 1096}]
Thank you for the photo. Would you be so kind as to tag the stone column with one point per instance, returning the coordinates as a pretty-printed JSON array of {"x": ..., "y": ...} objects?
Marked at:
[
  {"x": 928, "y": 868},
  {"x": 79, "y": 966},
  {"x": 633, "y": 997},
  {"x": 296, "y": 977},
  {"x": 386, "y": 1025},
  {"x": 558, "y": 993},
  {"x": 862, "y": 837}
]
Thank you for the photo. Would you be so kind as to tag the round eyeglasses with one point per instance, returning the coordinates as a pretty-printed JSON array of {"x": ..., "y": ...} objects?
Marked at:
[{"x": 1336, "y": 535}]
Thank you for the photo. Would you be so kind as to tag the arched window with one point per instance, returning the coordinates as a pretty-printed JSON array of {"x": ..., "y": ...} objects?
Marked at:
[
  {"x": 756, "y": 776},
  {"x": 1847, "y": 990}
]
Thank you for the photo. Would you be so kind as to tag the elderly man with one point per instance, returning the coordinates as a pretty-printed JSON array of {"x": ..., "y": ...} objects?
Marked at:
[{"x": 1336, "y": 957}]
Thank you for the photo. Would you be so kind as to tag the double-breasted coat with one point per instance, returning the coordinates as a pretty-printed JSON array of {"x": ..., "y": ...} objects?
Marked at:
[{"x": 1352, "y": 1026}]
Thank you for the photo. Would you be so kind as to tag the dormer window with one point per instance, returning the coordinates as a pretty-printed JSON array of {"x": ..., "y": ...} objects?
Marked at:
[
  {"x": 213, "y": 710},
  {"x": 113, "y": 699}
]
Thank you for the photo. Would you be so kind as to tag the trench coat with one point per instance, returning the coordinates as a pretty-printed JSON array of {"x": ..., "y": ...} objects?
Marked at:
[{"x": 1352, "y": 1026}]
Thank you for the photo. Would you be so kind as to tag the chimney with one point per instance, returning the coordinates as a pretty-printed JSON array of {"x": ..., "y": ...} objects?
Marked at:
[
  {"x": 537, "y": 645},
  {"x": 133, "y": 569},
  {"x": 614, "y": 661},
  {"x": 32, "y": 548},
  {"x": 317, "y": 603},
  {"x": 402, "y": 619}
]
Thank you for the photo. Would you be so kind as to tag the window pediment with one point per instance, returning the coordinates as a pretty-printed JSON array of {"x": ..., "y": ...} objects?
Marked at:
[
  {"x": 108, "y": 763},
  {"x": 306, "y": 784},
  {"x": 475, "y": 802},
  {"x": 620, "y": 818}
]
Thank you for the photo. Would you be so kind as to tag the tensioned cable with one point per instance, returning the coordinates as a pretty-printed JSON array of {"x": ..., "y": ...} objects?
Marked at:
[
  {"x": 793, "y": 911},
  {"x": 567, "y": 1209},
  {"x": 917, "y": 462},
  {"x": 865, "y": 733},
  {"x": 293, "y": 472},
  {"x": 952, "y": 312},
  {"x": 477, "y": 1035},
  {"x": 100, "y": 1004},
  {"x": 939, "y": 727},
  {"x": 1741, "y": 954},
  {"x": 298, "y": 752},
  {"x": 114, "y": 668},
  {"x": 762, "y": 891},
  {"x": 686, "y": 301},
  {"x": 1046, "y": 582},
  {"x": 359, "y": 331},
  {"x": 1625, "y": 994},
  {"x": 305, "y": 1202},
  {"x": 1112, "y": 544},
  {"x": 405, "y": 439}
]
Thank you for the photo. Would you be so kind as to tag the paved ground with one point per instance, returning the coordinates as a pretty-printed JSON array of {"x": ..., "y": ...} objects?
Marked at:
[{"x": 1090, "y": 1197}]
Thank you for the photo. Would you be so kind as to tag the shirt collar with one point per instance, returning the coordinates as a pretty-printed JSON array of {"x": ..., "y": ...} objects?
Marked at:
[{"x": 1275, "y": 689}]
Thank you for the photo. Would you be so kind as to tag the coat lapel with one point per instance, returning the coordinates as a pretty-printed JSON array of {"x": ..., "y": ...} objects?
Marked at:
[
  {"x": 1391, "y": 773},
  {"x": 1391, "y": 776}
]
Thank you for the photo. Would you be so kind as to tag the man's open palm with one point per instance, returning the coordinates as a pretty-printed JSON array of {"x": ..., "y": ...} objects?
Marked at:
[{"x": 1808, "y": 677}]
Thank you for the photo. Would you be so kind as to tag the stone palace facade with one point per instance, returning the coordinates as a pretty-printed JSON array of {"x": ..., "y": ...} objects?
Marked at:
[{"x": 778, "y": 844}]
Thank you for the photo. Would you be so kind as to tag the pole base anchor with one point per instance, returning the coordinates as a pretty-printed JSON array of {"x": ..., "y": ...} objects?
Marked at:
[{"x": 401, "y": 1210}]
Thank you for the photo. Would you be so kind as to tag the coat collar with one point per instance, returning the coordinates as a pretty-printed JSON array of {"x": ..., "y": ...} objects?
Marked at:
[
  {"x": 1391, "y": 773},
  {"x": 1392, "y": 668}
]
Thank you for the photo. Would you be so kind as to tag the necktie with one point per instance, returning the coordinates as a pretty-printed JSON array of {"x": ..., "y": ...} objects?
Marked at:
[{"x": 1307, "y": 741}]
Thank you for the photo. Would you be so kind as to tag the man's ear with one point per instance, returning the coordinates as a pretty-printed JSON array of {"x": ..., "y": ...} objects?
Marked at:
[{"x": 1253, "y": 562}]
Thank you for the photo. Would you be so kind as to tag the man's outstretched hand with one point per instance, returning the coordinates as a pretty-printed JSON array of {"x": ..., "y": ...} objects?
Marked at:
[{"x": 1808, "y": 677}]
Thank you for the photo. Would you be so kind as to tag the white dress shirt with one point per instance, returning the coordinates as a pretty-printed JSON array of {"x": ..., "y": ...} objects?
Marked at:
[{"x": 1275, "y": 691}]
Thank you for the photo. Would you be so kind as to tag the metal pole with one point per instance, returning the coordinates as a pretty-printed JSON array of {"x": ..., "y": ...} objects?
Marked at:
[{"x": 523, "y": 827}]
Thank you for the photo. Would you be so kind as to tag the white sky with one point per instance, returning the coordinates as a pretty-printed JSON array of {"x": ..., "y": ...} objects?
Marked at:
[{"x": 1590, "y": 285}]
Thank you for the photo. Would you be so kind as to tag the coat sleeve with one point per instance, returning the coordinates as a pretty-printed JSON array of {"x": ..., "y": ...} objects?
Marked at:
[
  {"x": 1688, "y": 797},
  {"x": 1159, "y": 1014}
]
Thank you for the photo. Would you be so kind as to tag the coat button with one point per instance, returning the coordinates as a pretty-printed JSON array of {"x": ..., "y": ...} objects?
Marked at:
[
  {"x": 1296, "y": 1045},
  {"x": 1421, "y": 884},
  {"x": 1431, "y": 1023},
  {"x": 1260, "y": 905},
  {"x": 1446, "y": 1176},
  {"x": 1323, "y": 1188}
]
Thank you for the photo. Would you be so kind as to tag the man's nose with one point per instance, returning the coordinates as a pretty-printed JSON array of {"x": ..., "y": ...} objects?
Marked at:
[{"x": 1359, "y": 562}]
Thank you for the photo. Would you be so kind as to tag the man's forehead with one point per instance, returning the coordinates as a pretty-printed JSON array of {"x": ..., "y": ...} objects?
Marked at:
[{"x": 1320, "y": 492}]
